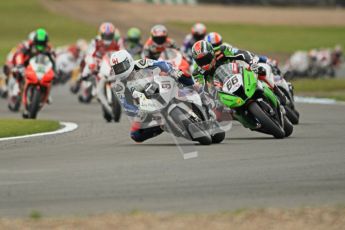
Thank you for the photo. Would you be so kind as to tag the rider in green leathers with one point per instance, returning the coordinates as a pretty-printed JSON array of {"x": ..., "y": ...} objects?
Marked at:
[
  {"x": 132, "y": 42},
  {"x": 208, "y": 60}
]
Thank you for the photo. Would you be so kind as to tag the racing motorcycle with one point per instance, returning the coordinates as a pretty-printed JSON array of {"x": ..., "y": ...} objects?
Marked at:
[
  {"x": 39, "y": 75},
  {"x": 176, "y": 58},
  {"x": 111, "y": 105},
  {"x": 178, "y": 110},
  {"x": 274, "y": 79},
  {"x": 253, "y": 102},
  {"x": 88, "y": 89},
  {"x": 65, "y": 65},
  {"x": 14, "y": 96}
]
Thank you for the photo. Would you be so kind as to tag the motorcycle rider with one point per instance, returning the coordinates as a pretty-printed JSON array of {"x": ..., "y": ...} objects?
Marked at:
[
  {"x": 207, "y": 61},
  {"x": 107, "y": 40},
  {"x": 198, "y": 32},
  {"x": 158, "y": 42},
  {"x": 39, "y": 45},
  {"x": 124, "y": 68},
  {"x": 222, "y": 49},
  {"x": 11, "y": 57},
  {"x": 132, "y": 42}
]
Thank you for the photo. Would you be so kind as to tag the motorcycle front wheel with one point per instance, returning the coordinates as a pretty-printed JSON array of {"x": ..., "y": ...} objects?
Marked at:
[
  {"x": 266, "y": 122},
  {"x": 185, "y": 123},
  {"x": 34, "y": 103}
]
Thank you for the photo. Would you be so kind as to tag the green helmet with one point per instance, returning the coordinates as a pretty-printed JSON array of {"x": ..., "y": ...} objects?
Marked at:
[
  {"x": 41, "y": 39},
  {"x": 134, "y": 35}
]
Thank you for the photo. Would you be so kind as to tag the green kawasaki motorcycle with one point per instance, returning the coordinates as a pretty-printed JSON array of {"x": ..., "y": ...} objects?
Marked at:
[{"x": 253, "y": 103}]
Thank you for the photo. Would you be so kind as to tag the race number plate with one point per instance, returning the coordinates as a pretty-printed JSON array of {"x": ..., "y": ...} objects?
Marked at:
[{"x": 232, "y": 84}]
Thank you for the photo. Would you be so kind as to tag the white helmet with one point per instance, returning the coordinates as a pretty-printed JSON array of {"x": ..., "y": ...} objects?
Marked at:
[
  {"x": 199, "y": 31},
  {"x": 122, "y": 63},
  {"x": 32, "y": 35}
]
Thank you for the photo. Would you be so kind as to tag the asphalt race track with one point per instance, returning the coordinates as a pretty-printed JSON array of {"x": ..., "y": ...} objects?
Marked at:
[{"x": 98, "y": 168}]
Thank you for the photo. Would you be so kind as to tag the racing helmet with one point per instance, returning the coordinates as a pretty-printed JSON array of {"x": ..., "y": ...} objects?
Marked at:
[
  {"x": 107, "y": 32},
  {"x": 215, "y": 39},
  {"x": 31, "y": 35},
  {"x": 122, "y": 63},
  {"x": 134, "y": 35},
  {"x": 199, "y": 31},
  {"x": 41, "y": 39},
  {"x": 159, "y": 34},
  {"x": 203, "y": 55}
]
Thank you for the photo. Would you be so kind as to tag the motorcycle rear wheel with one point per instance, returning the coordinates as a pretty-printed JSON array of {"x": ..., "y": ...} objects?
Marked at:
[
  {"x": 288, "y": 127},
  {"x": 292, "y": 115}
]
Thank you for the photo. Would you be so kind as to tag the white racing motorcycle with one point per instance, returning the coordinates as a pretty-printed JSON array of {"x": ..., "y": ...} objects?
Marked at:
[
  {"x": 111, "y": 105},
  {"x": 272, "y": 78},
  {"x": 14, "y": 96},
  {"x": 178, "y": 110},
  {"x": 65, "y": 65}
]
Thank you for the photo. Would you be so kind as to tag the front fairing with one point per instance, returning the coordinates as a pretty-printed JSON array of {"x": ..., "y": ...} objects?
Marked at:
[{"x": 237, "y": 86}]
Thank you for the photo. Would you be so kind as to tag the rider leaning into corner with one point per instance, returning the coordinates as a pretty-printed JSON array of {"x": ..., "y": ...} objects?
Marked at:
[
  {"x": 224, "y": 52},
  {"x": 125, "y": 68},
  {"x": 107, "y": 40},
  {"x": 157, "y": 42},
  {"x": 8, "y": 67},
  {"x": 38, "y": 45},
  {"x": 208, "y": 57}
]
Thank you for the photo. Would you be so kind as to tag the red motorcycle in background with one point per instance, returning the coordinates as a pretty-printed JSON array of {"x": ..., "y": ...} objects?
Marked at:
[
  {"x": 39, "y": 75},
  {"x": 176, "y": 58}
]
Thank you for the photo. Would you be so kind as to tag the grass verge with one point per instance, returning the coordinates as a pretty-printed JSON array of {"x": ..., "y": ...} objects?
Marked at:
[
  {"x": 325, "y": 88},
  {"x": 283, "y": 219},
  {"x": 20, "y": 17},
  {"x": 272, "y": 38},
  {"x": 13, "y": 127}
]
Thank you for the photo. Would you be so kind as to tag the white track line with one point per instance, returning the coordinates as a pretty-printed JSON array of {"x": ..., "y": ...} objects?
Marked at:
[
  {"x": 67, "y": 127},
  {"x": 320, "y": 101}
]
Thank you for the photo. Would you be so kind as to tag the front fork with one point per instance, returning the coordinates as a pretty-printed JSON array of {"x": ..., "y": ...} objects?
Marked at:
[{"x": 44, "y": 89}]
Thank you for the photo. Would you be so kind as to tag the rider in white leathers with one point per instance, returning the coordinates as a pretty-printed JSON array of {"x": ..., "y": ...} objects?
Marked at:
[{"x": 124, "y": 68}]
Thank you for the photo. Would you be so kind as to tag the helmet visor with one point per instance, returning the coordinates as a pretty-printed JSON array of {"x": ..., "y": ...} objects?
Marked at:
[
  {"x": 198, "y": 37},
  {"x": 159, "y": 40},
  {"x": 40, "y": 45},
  {"x": 107, "y": 37},
  {"x": 204, "y": 60},
  {"x": 133, "y": 40},
  {"x": 121, "y": 67}
]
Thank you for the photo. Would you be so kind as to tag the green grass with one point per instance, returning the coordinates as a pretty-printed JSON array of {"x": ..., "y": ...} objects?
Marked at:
[
  {"x": 272, "y": 38},
  {"x": 13, "y": 127},
  {"x": 35, "y": 215},
  {"x": 20, "y": 17},
  {"x": 329, "y": 88}
]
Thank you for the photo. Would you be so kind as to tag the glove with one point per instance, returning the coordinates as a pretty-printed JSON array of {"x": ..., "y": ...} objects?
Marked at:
[
  {"x": 255, "y": 67},
  {"x": 176, "y": 73},
  {"x": 255, "y": 60},
  {"x": 164, "y": 66}
]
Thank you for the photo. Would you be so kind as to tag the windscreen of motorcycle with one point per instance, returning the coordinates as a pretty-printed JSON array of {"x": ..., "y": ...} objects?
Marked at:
[
  {"x": 40, "y": 64},
  {"x": 171, "y": 55},
  {"x": 138, "y": 80},
  {"x": 229, "y": 75},
  {"x": 226, "y": 70}
]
